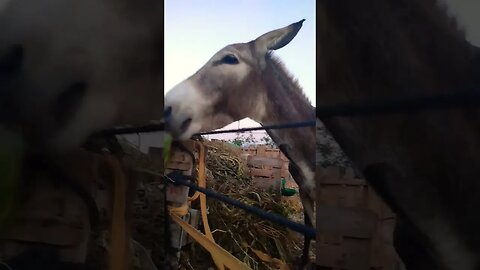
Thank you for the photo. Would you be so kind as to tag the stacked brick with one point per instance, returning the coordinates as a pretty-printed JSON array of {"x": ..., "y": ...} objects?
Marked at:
[
  {"x": 354, "y": 226},
  {"x": 267, "y": 166}
]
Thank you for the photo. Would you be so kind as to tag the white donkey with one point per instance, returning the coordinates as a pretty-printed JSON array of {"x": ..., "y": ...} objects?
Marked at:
[{"x": 246, "y": 80}]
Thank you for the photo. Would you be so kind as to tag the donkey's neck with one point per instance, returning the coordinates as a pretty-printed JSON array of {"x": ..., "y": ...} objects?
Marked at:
[{"x": 286, "y": 102}]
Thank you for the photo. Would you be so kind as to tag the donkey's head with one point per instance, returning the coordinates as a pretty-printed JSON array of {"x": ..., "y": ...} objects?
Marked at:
[
  {"x": 229, "y": 87},
  {"x": 68, "y": 67}
]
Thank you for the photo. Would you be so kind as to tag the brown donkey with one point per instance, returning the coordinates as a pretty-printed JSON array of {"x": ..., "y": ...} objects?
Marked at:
[
  {"x": 246, "y": 80},
  {"x": 424, "y": 164}
]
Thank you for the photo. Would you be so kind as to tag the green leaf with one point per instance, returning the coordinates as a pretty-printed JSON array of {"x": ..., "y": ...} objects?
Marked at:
[{"x": 167, "y": 146}]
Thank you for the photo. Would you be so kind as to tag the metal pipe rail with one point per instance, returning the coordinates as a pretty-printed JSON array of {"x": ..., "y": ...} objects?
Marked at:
[{"x": 177, "y": 178}]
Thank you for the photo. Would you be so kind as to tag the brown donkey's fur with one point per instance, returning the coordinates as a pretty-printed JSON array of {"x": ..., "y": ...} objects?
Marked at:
[{"x": 423, "y": 164}]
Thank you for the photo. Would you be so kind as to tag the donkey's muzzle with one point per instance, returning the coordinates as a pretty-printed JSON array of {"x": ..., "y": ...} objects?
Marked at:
[
  {"x": 185, "y": 124},
  {"x": 176, "y": 125},
  {"x": 175, "y": 129}
]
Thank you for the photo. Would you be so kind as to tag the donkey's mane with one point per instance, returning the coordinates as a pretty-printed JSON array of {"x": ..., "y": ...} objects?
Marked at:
[{"x": 286, "y": 79}]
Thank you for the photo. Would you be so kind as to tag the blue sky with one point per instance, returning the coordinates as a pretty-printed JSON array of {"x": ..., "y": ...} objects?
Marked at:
[{"x": 195, "y": 30}]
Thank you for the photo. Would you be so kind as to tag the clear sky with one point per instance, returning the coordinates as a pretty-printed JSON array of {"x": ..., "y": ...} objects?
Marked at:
[{"x": 196, "y": 29}]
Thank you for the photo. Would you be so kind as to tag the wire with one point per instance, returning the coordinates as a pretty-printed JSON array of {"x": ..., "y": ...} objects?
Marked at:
[
  {"x": 276, "y": 126},
  {"x": 468, "y": 98},
  {"x": 130, "y": 130}
]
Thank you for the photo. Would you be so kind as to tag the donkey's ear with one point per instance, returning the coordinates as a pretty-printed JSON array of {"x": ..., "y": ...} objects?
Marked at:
[{"x": 278, "y": 38}]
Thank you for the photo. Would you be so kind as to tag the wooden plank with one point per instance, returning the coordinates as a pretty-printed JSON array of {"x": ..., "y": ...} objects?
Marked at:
[
  {"x": 56, "y": 233},
  {"x": 352, "y": 222},
  {"x": 183, "y": 162},
  {"x": 261, "y": 172},
  {"x": 177, "y": 194},
  {"x": 182, "y": 166},
  {"x": 329, "y": 194},
  {"x": 180, "y": 157},
  {"x": 244, "y": 156},
  {"x": 331, "y": 256},
  {"x": 261, "y": 151},
  {"x": 267, "y": 183},
  {"x": 276, "y": 173},
  {"x": 383, "y": 254},
  {"x": 272, "y": 153},
  {"x": 331, "y": 173},
  {"x": 375, "y": 203},
  {"x": 353, "y": 254},
  {"x": 285, "y": 174},
  {"x": 349, "y": 174},
  {"x": 349, "y": 207},
  {"x": 356, "y": 196},
  {"x": 257, "y": 161},
  {"x": 50, "y": 216},
  {"x": 386, "y": 230},
  {"x": 357, "y": 253},
  {"x": 329, "y": 238}
]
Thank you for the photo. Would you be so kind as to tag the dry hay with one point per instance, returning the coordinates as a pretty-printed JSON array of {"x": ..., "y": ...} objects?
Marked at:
[
  {"x": 148, "y": 224},
  {"x": 227, "y": 173},
  {"x": 234, "y": 229},
  {"x": 148, "y": 216}
]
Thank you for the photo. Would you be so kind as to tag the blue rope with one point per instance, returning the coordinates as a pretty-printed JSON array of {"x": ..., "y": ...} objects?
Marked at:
[{"x": 177, "y": 178}]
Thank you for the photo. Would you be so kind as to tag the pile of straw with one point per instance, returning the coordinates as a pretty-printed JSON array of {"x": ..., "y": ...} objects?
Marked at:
[
  {"x": 148, "y": 217},
  {"x": 234, "y": 229}
]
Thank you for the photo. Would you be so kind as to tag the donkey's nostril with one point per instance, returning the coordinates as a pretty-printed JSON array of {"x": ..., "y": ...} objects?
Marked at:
[
  {"x": 167, "y": 112},
  {"x": 186, "y": 124}
]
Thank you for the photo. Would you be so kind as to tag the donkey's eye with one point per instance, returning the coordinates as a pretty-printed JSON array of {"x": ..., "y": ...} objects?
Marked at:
[{"x": 230, "y": 59}]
